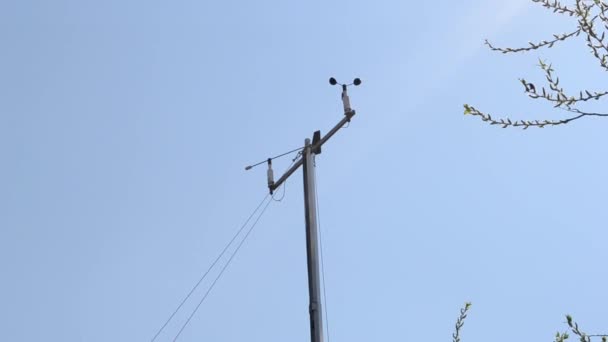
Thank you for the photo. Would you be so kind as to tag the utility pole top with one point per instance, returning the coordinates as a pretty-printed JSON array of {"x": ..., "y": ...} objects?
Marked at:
[
  {"x": 317, "y": 140},
  {"x": 306, "y": 159}
]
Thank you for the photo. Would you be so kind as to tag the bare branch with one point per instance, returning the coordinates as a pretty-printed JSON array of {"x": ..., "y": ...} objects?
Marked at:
[
  {"x": 578, "y": 111},
  {"x": 595, "y": 41},
  {"x": 583, "y": 337},
  {"x": 592, "y": 20},
  {"x": 535, "y": 46},
  {"x": 556, "y": 6},
  {"x": 460, "y": 322},
  {"x": 555, "y": 93},
  {"x": 524, "y": 124}
]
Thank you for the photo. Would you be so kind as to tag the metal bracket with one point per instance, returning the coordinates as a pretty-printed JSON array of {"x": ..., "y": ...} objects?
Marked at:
[{"x": 316, "y": 137}]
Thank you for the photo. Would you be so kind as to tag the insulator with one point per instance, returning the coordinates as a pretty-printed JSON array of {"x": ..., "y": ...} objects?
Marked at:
[
  {"x": 346, "y": 102},
  {"x": 270, "y": 173}
]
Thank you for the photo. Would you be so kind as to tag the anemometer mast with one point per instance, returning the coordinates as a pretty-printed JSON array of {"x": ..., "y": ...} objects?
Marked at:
[{"x": 312, "y": 148}]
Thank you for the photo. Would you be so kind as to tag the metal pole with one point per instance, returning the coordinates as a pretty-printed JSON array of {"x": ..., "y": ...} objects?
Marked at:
[
  {"x": 310, "y": 208},
  {"x": 312, "y": 245}
]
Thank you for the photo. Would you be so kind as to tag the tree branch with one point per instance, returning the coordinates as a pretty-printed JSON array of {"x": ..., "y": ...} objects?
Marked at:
[
  {"x": 535, "y": 46},
  {"x": 560, "y": 98},
  {"x": 556, "y": 6},
  {"x": 555, "y": 94},
  {"x": 460, "y": 322},
  {"x": 524, "y": 124}
]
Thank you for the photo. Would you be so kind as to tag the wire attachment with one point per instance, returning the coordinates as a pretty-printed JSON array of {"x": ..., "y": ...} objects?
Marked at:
[{"x": 299, "y": 149}]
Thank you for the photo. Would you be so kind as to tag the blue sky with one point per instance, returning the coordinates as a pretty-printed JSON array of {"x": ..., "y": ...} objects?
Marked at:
[{"x": 125, "y": 127}]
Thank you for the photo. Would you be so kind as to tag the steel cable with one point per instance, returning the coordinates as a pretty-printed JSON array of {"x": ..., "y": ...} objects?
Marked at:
[
  {"x": 221, "y": 272},
  {"x": 210, "y": 268}
]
